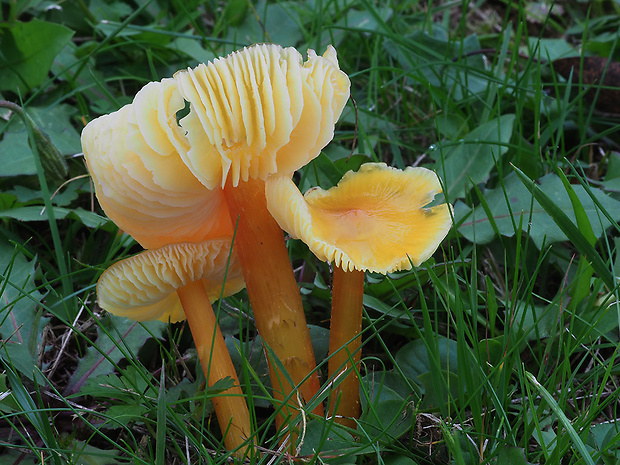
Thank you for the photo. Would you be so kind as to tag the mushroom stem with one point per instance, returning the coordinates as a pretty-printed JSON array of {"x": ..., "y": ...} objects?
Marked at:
[
  {"x": 344, "y": 344},
  {"x": 230, "y": 406},
  {"x": 274, "y": 295}
]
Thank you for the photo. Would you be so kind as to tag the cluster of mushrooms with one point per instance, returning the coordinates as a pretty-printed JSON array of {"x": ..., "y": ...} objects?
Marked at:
[{"x": 208, "y": 195}]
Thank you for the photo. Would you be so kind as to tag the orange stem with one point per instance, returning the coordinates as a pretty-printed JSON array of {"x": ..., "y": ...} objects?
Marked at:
[
  {"x": 345, "y": 344},
  {"x": 231, "y": 409},
  {"x": 274, "y": 294}
]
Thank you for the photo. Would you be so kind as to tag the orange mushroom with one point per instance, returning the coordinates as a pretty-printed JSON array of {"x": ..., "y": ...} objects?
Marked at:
[
  {"x": 254, "y": 113},
  {"x": 141, "y": 182},
  {"x": 257, "y": 112},
  {"x": 179, "y": 281},
  {"x": 372, "y": 220},
  {"x": 146, "y": 189}
]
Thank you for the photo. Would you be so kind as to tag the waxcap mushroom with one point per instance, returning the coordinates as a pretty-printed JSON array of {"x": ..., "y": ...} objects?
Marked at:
[
  {"x": 143, "y": 287},
  {"x": 259, "y": 111},
  {"x": 373, "y": 220},
  {"x": 141, "y": 182}
]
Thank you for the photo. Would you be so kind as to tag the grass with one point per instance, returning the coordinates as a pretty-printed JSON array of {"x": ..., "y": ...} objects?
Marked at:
[{"x": 502, "y": 348}]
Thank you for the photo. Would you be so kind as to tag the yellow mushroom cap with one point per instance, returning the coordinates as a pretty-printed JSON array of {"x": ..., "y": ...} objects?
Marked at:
[
  {"x": 259, "y": 111},
  {"x": 141, "y": 182},
  {"x": 143, "y": 287},
  {"x": 374, "y": 219}
]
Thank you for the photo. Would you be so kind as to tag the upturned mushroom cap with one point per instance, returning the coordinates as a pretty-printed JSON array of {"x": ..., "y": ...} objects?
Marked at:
[
  {"x": 372, "y": 220},
  {"x": 259, "y": 111},
  {"x": 143, "y": 287},
  {"x": 141, "y": 182}
]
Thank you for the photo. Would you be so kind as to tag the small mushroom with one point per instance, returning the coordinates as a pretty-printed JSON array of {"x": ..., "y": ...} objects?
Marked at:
[
  {"x": 254, "y": 113},
  {"x": 372, "y": 220},
  {"x": 179, "y": 281},
  {"x": 146, "y": 189}
]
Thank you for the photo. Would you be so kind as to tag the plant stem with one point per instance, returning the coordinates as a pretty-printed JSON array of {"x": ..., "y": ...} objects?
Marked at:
[
  {"x": 63, "y": 271},
  {"x": 274, "y": 295},
  {"x": 345, "y": 343},
  {"x": 230, "y": 407}
]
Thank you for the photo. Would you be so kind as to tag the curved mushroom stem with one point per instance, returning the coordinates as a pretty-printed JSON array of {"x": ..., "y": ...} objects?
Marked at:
[
  {"x": 274, "y": 295},
  {"x": 231, "y": 409},
  {"x": 344, "y": 344}
]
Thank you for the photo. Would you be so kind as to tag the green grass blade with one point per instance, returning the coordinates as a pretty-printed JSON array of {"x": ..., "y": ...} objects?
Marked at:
[
  {"x": 583, "y": 223},
  {"x": 563, "y": 419},
  {"x": 160, "y": 444}
]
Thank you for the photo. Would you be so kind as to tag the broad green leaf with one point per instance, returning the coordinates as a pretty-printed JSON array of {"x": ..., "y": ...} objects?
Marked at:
[
  {"x": 123, "y": 414},
  {"x": 613, "y": 166},
  {"x": 235, "y": 12},
  {"x": 273, "y": 22},
  {"x": 435, "y": 398},
  {"x": 129, "y": 388},
  {"x": 85, "y": 454},
  {"x": 320, "y": 341},
  {"x": 91, "y": 82},
  {"x": 568, "y": 227},
  {"x": 551, "y": 49},
  {"x": 56, "y": 122},
  {"x": 473, "y": 157},
  {"x": 508, "y": 202},
  {"x": 511, "y": 456},
  {"x": 109, "y": 11},
  {"x": 612, "y": 176},
  {"x": 536, "y": 322},
  {"x": 387, "y": 385},
  {"x": 62, "y": 198},
  {"x": 117, "y": 337},
  {"x": 365, "y": 19},
  {"x": 394, "y": 312},
  {"x": 451, "y": 126},
  {"x": 414, "y": 360},
  {"x": 596, "y": 324},
  {"x": 378, "y": 390},
  {"x": 385, "y": 404},
  {"x": 330, "y": 441},
  {"x": 388, "y": 418},
  {"x": 27, "y": 51},
  {"x": 491, "y": 350},
  {"x": 16, "y": 157},
  {"x": 357, "y": 19},
  {"x": 191, "y": 48},
  {"x": 606, "y": 438},
  {"x": 21, "y": 323},
  {"x": 37, "y": 213}
]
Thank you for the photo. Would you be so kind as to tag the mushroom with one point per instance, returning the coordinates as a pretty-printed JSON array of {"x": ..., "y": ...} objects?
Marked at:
[
  {"x": 146, "y": 189},
  {"x": 178, "y": 281},
  {"x": 254, "y": 113},
  {"x": 141, "y": 182},
  {"x": 372, "y": 220}
]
